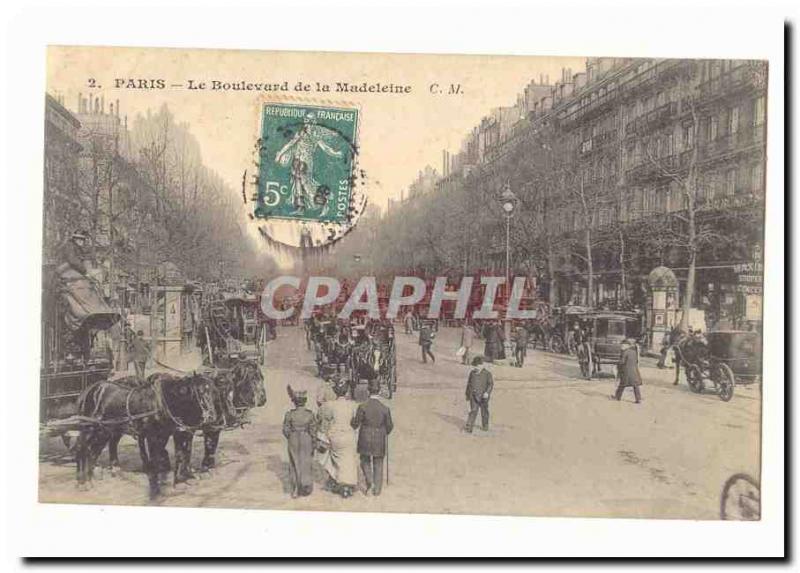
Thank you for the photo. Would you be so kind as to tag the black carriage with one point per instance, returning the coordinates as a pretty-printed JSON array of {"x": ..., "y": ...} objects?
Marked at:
[
  {"x": 605, "y": 332},
  {"x": 77, "y": 349},
  {"x": 726, "y": 358}
]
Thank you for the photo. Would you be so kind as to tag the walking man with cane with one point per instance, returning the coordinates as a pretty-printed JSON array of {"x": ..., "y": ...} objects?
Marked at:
[{"x": 373, "y": 420}]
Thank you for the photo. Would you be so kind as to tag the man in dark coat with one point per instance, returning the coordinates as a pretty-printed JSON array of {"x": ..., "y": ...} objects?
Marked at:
[
  {"x": 520, "y": 345},
  {"x": 493, "y": 347},
  {"x": 479, "y": 389},
  {"x": 373, "y": 420},
  {"x": 628, "y": 369},
  {"x": 426, "y": 342}
]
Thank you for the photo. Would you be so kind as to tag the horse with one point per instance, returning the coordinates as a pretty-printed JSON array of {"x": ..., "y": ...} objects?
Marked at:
[
  {"x": 152, "y": 412},
  {"x": 690, "y": 351},
  {"x": 237, "y": 390},
  {"x": 365, "y": 364}
]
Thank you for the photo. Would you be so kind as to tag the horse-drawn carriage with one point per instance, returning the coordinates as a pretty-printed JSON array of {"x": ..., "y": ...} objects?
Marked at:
[
  {"x": 605, "y": 332},
  {"x": 76, "y": 345},
  {"x": 554, "y": 333},
  {"x": 364, "y": 352},
  {"x": 376, "y": 359},
  {"x": 234, "y": 328},
  {"x": 725, "y": 358}
]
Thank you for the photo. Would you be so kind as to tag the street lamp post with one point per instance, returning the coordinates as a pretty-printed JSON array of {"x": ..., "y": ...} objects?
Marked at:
[{"x": 508, "y": 201}]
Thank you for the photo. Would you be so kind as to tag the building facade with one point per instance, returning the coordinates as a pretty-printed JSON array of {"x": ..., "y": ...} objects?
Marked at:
[{"x": 625, "y": 166}]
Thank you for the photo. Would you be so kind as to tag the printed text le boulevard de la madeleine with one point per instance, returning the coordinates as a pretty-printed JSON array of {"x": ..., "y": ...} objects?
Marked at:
[{"x": 285, "y": 86}]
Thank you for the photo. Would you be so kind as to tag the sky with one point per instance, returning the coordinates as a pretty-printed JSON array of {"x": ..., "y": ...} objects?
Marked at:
[{"x": 399, "y": 133}]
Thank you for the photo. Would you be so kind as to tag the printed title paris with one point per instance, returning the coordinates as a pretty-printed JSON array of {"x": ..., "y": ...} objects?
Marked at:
[
  {"x": 247, "y": 86},
  {"x": 406, "y": 291}
]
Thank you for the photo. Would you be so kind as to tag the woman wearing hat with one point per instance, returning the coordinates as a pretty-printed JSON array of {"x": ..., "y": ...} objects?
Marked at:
[
  {"x": 340, "y": 458},
  {"x": 300, "y": 431},
  {"x": 628, "y": 370}
]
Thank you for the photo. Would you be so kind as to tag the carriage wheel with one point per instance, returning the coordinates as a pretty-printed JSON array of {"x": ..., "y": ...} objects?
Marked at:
[
  {"x": 741, "y": 499},
  {"x": 694, "y": 377},
  {"x": 725, "y": 381},
  {"x": 570, "y": 347},
  {"x": 557, "y": 345}
]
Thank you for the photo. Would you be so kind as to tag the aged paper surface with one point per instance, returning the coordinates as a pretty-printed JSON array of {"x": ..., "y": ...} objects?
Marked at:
[{"x": 534, "y": 284}]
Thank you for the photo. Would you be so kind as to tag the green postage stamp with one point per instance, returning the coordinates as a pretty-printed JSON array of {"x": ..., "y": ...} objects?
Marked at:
[{"x": 307, "y": 155}]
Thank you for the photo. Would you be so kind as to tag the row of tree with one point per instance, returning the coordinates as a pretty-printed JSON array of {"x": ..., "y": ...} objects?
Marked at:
[
  {"x": 575, "y": 209},
  {"x": 144, "y": 197}
]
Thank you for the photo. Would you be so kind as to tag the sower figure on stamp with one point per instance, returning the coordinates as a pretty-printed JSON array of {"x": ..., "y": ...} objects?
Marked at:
[
  {"x": 479, "y": 390},
  {"x": 373, "y": 420},
  {"x": 628, "y": 369},
  {"x": 300, "y": 431},
  {"x": 299, "y": 154}
]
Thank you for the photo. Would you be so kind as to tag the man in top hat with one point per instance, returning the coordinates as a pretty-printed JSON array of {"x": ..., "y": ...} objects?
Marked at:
[
  {"x": 373, "y": 420},
  {"x": 628, "y": 370},
  {"x": 479, "y": 390}
]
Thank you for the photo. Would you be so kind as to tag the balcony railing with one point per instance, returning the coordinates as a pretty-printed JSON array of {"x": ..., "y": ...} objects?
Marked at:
[
  {"x": 659, "y": 168},
  {"x": 598, "y": 142},
  {"x": 652, "y": 119},
  {"x": 733, "y": 142},
  {"x": 728, "y": 82},
  {"x": 589, "y": 109}
]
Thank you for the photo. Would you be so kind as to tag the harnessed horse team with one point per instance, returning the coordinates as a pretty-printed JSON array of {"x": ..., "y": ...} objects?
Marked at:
[
  {"x": 165, "y": 406},
  {"x": 361, "y": 356}
]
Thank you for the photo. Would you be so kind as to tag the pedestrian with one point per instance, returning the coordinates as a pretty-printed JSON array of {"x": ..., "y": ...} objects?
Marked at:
[
  {"x": 373, "y": 420},
  {"x": 493, "y": 347},
  {"x": 467, "y": 338},
  {"x": 426, "y": 337},
  {"x": 140, "y": 349},
  {"x": 628, "y": 370},
  {"x": 409, "y": 322},
  {"x": 520, "y": 345},
  {"x": 479, "y": 390},
  {"x": 300, "y": 431},
  {"x": 339, "y": 452},
  {"x": 674, "y": 335}
]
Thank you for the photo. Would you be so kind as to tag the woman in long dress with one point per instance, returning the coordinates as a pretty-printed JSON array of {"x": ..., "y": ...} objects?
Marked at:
[
  {"x": 300, "y": 431},
  {"x": 340, "y": 458}
]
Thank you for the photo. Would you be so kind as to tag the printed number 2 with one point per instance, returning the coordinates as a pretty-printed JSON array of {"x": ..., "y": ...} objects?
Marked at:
[
  {"x": 273, "y": 192},
  {"x": 92, "y": 83}
]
